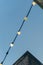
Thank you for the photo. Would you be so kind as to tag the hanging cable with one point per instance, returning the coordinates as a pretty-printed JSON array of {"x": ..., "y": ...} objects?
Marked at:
[
  {"x": 29, "y": 11},
  {"x": 6, "y": 55},
  {"x": 18, "y": 33}
]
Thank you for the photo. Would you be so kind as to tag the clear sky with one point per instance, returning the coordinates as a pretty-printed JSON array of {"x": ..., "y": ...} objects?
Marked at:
[{"x": 12, "y": 13}]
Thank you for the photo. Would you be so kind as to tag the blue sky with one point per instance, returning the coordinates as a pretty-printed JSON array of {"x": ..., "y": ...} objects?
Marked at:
[{"x": 12, "y": 13}]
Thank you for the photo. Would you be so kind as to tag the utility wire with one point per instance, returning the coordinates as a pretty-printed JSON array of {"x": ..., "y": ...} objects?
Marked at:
[{"x": 18, "y": 33}]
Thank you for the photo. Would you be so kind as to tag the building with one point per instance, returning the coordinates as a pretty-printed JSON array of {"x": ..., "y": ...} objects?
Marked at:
[
  {"x": 40, "y": 3},
  {"x": 27, "y": 59}
]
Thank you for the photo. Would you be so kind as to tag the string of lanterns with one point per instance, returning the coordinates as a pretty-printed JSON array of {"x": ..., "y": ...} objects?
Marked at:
[{"x": 18, "y": 33}]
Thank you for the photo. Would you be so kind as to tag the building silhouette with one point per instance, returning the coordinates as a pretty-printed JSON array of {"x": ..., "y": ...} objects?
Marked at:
[{"x": 27, "y": 59}]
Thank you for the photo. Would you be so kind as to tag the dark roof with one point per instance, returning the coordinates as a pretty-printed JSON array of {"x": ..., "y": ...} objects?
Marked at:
[
  {"x": 27, "y": 59},
  {"x": 40, "y": 3}
]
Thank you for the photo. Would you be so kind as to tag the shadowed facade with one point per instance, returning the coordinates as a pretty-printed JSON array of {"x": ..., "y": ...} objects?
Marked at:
[
  {"x": 40, "y": 3},
  {"x": 27, "y": 59}
]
